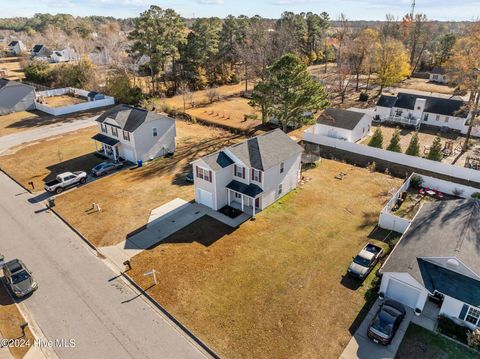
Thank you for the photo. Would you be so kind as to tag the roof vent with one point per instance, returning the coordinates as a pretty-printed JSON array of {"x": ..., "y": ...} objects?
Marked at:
[{"x": 452, "y": 262}]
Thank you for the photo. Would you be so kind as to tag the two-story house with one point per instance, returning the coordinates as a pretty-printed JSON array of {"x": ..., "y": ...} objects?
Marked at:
[
  {"x": 134, "y": 134},
  {"x": 419, "y": 110},
  {"x": 16, "y": 47},
  {"x": 250, "y": 175}
]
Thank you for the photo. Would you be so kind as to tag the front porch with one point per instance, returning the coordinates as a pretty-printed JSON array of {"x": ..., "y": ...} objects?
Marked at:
[
  {"x": 246, "y": 198},
  {"x": 409, "y": 120},
  {"x": 106, "y": 146}
]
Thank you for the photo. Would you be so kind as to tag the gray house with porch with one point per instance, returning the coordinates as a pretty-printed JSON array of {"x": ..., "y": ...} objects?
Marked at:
[
  {"x": 134, "y": 134},
  {"x": 250, "y": 175}
]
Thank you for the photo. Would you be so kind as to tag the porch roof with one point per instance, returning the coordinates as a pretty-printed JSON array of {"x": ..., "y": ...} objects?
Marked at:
[
  {"x": 250, "y": 190},
  {"x": 105, "y": 139}
]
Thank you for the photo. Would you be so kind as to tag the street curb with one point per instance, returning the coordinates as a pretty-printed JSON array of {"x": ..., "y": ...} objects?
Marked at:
[{"x": 14, "y": 180}]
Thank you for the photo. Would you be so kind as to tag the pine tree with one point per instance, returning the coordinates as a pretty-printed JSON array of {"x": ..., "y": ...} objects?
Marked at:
[
  {"x": 377, "y": 139},
  {"x": 435, "y": 153},
  {"x": 394, "y": 145},
  {"x": 414, "y": 146}
]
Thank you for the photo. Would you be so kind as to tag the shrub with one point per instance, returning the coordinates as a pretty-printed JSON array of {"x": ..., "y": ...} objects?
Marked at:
[
  {"x": 473, "y": 338},
  {"x": 476, "y": 195},
  {"x": 435, "y": 153},
  {"x": 394, "y": 145},
  {"x": 377, "y": 139},
  {"x": 452, "y": 329},
  {"x": 213, "y": 95},
  {"x": 414, "y": 146},
  {"x": 458, "y": 192},
  {"x": 416, "y": 181},
  {"x": 38, "y": 72},
  {"x": 119, "y": 86}
]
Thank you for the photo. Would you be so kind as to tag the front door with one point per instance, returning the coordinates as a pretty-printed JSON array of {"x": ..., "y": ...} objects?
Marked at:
[{"x": 257, "y": 202}]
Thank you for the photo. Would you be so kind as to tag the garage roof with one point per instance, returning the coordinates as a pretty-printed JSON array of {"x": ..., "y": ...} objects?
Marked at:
[
  {"x": 337, "y": 117},
  {"x": 441, "y": 249}
]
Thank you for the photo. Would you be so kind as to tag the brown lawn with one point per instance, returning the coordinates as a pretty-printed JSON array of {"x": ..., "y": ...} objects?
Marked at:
[
  {"x": 15, "y": 71},
  {"x": 230, "y": 112},
  {"x": 425, "y": 86},
  {"x": 200, "y": 98},
  {"x": 274, "y": 287},
  {"x": 127, "y": 198},
  {"x": 63, "y": 100},
  {"x": 10, "y": 321},
  {"x": 43, "y": 160}
]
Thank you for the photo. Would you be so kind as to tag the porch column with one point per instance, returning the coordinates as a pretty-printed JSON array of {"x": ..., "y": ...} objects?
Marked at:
[
  {"x": 228, "y": 196},
  {"x": 253, "y": 206},
  {"x": 105, "y": 150},
  {"x": 114, "y": 153},
  {"x": 242, "y": 202}
]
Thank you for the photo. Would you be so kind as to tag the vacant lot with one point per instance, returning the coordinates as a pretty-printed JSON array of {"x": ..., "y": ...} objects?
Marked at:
[
  {"x": 10, "y": 321},
  {"x": 200, "y": 98},
  {"x": 63, "y": 100},
  {"x": 127, "y": 198},
  {"x": 43, "y": 160},
  {"x": 230, "y": 112},
  {"x": 275, "y": 287},
  {"x": 425, "y": 86},
  {"x": 421, "y": 343}
]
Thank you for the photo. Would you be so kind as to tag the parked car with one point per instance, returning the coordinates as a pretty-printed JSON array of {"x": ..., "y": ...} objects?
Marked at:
[
  {"x": 365, "y": 261},
  {"x": 65, "y": 180},
  {"x": 386, "y": 321},
  {"x": 105, "y": 168},
  {"x": 189, "y": 177},
  {"x": 19, "y": 279}
]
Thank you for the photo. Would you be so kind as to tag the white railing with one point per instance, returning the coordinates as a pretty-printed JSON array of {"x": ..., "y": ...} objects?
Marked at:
[{"x": 404, "y": 120}]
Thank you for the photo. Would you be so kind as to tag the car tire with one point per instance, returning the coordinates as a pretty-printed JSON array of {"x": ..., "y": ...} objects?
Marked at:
[
  {"x": 59, "y": 190},
  {"x": 83, "y": 180}
]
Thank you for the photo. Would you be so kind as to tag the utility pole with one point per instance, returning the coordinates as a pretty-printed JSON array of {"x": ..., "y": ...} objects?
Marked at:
[{"x": 413, "y": 9}]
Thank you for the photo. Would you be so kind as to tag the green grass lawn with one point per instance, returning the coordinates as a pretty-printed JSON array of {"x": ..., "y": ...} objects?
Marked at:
[{"x": 421, "y": 343}]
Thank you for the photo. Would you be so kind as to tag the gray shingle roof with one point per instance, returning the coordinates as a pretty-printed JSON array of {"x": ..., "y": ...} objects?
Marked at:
[
  {"x": 266, "y": 151},
  {"x": 441, "y": 230},
  {"x": 336, "y": 117},
  {"x": 218, "y": 160},
  {"x": 436, "y": 105},
  {"x": 37, "y": 48},
  {"x": 129, "y": 118}
]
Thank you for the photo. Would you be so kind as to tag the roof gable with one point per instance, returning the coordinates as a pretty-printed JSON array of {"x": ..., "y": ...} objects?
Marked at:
[{"x": 130, "y": 118}]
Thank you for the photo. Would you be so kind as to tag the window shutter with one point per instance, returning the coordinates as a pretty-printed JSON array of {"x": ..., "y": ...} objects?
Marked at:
[
  {"x": 196, "y": 168},
  {"x": 253, "y": 173},
  {"x": 210, "y": 176},
  {"x": 260, "y": 176},
  {"x": 243, "y": 172},
  {"x": 234, "y": 170},
  {"x": 463, "y": 312}
]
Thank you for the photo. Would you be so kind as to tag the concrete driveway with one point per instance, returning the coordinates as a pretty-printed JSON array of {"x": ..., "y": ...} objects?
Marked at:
[{"x": 361, "y": 347}]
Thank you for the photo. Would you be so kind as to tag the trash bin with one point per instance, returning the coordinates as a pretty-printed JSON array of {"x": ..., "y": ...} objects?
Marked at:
[
  {"x": 51, "y": 202},
  {"x": 139, "y": 163}
]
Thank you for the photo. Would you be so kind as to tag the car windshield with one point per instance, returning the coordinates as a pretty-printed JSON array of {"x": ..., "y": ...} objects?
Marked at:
[
  {"x": 20, "y": 277},
  {"x": 99, "y": 167},
  {"x": 383, "y": 323},
  {"x": 362, "y": 261}
]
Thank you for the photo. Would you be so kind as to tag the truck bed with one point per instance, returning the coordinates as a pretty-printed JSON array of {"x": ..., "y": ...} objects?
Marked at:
[
  {"x": 52, "y": 183},
  {"x": 372, "y": 248}
]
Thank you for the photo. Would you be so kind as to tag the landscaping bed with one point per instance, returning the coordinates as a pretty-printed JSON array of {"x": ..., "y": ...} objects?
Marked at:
[
  {"x": 275, "y": 287},
  {"x": 421, "y": 343}
]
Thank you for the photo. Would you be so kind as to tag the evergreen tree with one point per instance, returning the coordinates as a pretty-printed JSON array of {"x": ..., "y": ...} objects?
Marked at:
[
  {"x": 435, "y": 153},
  {"x": 414, "y": 146},
  {"x": 394, "y": 145},
  {"x": 377, "y": 139}
]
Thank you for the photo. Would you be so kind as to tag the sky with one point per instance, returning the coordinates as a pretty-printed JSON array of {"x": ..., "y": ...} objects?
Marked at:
[{"x": 354, "y": 9}]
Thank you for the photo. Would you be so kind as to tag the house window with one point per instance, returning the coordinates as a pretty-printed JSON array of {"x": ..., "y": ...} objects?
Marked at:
[
  {"x": 204, "y": 174},
  {"x": 437, "y": 118},
  {"x": 237, "y": 195},
  {"x": 126, "y": 136},
  {"x": 425, "y": 118},
  {"x": 473, "y": 315},
  {"x": 282, "y": 167},
  {"x": 115, "y": 131},
  {"x": 104, "y": 128},
  {"x": 239, "y": 171},
  {"x": 155, "y": 133},
  {"x": 399, "y": 112},
  {"x": 446, "y": 118},
  {"x": 256, "y": 175},
  {"x": 280, "y": 189}
]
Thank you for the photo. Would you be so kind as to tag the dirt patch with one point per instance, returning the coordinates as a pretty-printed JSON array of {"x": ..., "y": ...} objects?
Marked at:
[
  {"x": 275, "y": 287},
  {"x": 63, "y": 100},
  {"x": 128, "y": 197}
]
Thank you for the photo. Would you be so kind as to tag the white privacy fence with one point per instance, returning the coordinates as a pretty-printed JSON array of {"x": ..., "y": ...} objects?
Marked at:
[
  {"x": 91, "y": 103},
  {"x": 395, "y": 157}
]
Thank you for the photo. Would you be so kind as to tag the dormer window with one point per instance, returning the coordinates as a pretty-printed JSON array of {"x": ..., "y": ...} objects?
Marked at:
[{"x": 239, "y": 171}]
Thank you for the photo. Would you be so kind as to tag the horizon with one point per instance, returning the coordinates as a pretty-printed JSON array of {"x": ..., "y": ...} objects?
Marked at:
[{"x": 364, "y": 10}]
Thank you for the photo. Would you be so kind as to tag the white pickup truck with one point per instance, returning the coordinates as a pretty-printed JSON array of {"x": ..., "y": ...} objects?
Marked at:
[
  {"x": 365, "y": 260},
  {"x": 65, "y": 180}
]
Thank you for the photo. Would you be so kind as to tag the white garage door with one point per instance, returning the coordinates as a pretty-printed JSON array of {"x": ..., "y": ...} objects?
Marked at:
[
  {"x": 129, "y": 155},
  {"x": 403, "y": 293},
  {"x": 205, "y": 198}
]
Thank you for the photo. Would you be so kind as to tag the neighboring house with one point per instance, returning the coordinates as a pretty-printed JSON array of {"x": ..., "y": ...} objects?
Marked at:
[
  {"x": 416, "y": 110},
  {"x": 65, "y": 55},
  {"x": 250, "y": 175},
  {"x": 439, "y": 256},
  {"x": 16, "y": 47},
  {"x": 135, "y": 134},
  {"x": 15, "y": 97},
  {"x": 348, "y": 125},
  {"x": 40, "y": 51},
  {"x": 439, "y": 75}
]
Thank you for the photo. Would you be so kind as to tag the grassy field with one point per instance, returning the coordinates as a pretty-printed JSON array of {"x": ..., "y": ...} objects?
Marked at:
[
  {"x": 128, "y": 197},
  {"x": 43, "y": 160},
  {"x": 63, "y": 100},
  {"x": 425, "y": 86},
  {"x": 12, "y": 65},
  {"x": 421, "y": 343},
  {"x": 275, "y": 287},
  {"x": 10, "y": 320},
  {"x": 230, "y": 112}
]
